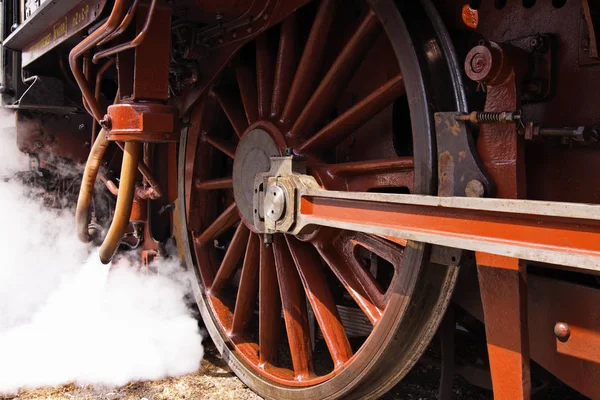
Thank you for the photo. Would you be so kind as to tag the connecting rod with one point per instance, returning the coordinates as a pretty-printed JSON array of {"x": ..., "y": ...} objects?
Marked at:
[{"x": 286, "y": 200}]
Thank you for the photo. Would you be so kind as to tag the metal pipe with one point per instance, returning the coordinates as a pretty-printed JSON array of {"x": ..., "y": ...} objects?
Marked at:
[
  {"x": 87, "y": 186},
  {"x": 131, "y": 158},
  {"x": 99, "y": 76},
  {"x": 135, "y": 42},
  {"x": 147, "y": 174},
  {"x": 124, "y": 25},
  {"x": 113, "y": 21}
]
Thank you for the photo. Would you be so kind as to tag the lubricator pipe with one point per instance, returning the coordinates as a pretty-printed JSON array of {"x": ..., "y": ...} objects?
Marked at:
[
  {"x": 132, "y": 44},
  {"x": 87, "y": 186},
  {"x": 155, "y": 189},
  {"x": 114, "y": 20},
  {"x": 124, "y": 25},
  {"x": 131, "y": 158},
  {"x": 99, "y": 76}
]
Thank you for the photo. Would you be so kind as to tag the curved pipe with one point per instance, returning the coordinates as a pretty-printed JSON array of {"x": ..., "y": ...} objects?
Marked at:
[
  {"x": 147, "y": 174},
  {"x": 115, "y": 18},
  {"x": 97, "y": 89},
  {"x": 131, "y": 158},
  {"x": 124, "y": 25},
  {"x": 132, "y": 44},
  {"x": 87, "y": 186}
]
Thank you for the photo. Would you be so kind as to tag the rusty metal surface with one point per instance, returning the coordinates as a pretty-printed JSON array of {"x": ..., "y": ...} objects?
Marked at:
[
  {"x": 576, "y": 83},
  {"x": 152, "y": 55},
  {"x": 500, "y": 68},
  {"x": 50, "y": 135},
  {"x": 459, "y": 167}
]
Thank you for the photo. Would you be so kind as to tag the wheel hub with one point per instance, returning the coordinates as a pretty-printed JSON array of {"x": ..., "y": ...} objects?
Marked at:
[{"x": 252, "y": 157}]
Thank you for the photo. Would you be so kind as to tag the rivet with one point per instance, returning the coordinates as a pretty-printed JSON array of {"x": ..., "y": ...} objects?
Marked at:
[{"x": 562, "y": 331}]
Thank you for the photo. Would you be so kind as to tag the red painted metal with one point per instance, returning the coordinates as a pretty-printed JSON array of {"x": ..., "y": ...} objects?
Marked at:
[
  {"x": 503, "y": 283},
  {"x": 576, "y": 361},
  {"x": 142, "y": 122},
  {"x": 330, "y": 88}
]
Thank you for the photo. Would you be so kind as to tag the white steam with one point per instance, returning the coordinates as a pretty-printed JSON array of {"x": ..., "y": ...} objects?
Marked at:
[{"x": 65, "y": 317}]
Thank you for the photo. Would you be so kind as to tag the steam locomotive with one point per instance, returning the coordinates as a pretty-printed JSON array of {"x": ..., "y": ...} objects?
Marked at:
[{"x": 344, "y": 179}]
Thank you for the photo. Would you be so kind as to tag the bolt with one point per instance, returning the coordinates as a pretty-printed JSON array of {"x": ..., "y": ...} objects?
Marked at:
[
  {"x": 478, "y": 63},
  {"x": 474, "y": 189},
  {"x": 268, "y": 239},
  {"x": 537, "y": 42},
  {"x": 81, "y": 127},
  {"x": 562, "y": 331},
  {"x": 106, "y": 123}
]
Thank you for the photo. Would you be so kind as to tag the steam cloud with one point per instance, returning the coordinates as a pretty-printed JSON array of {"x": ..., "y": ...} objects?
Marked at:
[{"x": 65, "y": 317}]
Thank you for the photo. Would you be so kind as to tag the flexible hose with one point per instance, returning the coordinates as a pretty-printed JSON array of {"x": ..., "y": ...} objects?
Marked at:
[
  {"x": 131, "y": 158},
  {"x": 87, "y": 186}
]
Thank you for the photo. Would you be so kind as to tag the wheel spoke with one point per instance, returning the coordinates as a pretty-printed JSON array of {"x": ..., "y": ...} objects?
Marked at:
[
  {"x": 226, "y": 147},
  {"x": 232, "y": 109},
  {"x": 359, "y": 283},
  {"x": 286, "y": 62},
  {"x": 337, "y": 77},
  {"x": 367, "y": 175},
  {"x": 246, "y": 296},
  {"x": 321, "y": 299},
  {"x": 310, "y": 64},
  {"x": 269, "y": 307},
  {"x": 356, "y": 116},
  {"x": 247, "y": 83},
  {"x": 264, "y": 75},
  {"x": 214, "y": 184},
  {"x": 224, "y": 221},
  {"x": 294, "y": 310},
  {"x": 232, "y": 257}
]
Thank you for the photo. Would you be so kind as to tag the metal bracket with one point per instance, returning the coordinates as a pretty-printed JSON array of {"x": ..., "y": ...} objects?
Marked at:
[{"x": 460, "y": 172}]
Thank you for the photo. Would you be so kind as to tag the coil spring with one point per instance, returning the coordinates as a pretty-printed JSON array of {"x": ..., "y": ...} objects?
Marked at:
[{"x": 486, "y": 117}]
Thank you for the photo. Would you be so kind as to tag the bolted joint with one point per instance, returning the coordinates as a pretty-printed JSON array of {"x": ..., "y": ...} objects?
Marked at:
[
  {"x": 492, "y": 63},
  {"x": 106, "y": 123},
  {"x": 276, "y": 193},
  {"x": 483, "y": 62}
]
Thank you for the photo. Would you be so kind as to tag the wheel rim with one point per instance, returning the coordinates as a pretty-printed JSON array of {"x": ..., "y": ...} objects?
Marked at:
[{"x": 282, "y": 277}]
